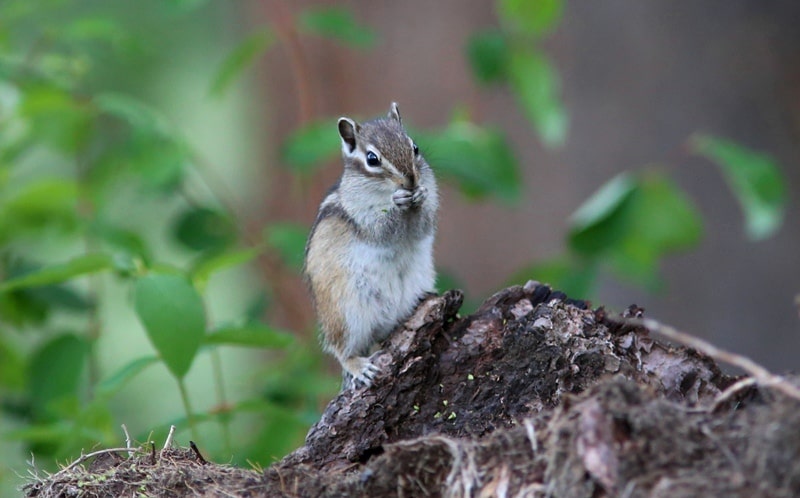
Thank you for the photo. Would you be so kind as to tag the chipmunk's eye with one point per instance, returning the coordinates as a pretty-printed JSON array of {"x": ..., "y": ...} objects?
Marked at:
[
  {"x": 373, "y": 159},
  {"x": 416, "y": 150}
]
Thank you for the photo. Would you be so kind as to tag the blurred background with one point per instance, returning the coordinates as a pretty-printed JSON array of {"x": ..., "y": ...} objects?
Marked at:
[{"x": 162, "y": 161}]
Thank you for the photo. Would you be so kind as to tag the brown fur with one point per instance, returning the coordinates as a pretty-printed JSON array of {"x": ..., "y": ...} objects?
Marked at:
[{"x": 328, "y": 284}]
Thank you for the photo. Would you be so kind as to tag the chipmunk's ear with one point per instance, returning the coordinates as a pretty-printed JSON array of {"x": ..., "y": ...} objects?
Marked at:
[
  {"x": 347, "y": 130},
  {"x": 394, "y": 112}
]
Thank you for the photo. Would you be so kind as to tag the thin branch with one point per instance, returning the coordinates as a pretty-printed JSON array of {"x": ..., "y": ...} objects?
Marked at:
[
  {"x": 763, "y": 376},
  {"x": 197, "y": 453},
  {"x": 731, "y": 390},
  {"x": 127, "y": 439},
  {"x": 87, "y": 456},
  {"x": 168, "y": 441}
]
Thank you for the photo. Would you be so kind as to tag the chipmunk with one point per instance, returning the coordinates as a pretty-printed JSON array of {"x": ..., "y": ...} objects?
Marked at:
[{"x": 369, "y": 256}]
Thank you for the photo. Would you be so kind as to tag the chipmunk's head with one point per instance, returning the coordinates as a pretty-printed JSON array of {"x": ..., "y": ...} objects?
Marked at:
[{"x": 381, "y": 150}]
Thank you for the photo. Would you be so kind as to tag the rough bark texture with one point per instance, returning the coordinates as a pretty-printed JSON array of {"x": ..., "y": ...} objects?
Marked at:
[{"x": 532, "y": 395}]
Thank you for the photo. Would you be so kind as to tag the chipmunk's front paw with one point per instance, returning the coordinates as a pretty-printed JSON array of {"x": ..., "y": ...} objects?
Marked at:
[
  {"x": 362, "y": 370},
  {"x": 404, "y": 198},
  {"x": 419, "y": 195}
]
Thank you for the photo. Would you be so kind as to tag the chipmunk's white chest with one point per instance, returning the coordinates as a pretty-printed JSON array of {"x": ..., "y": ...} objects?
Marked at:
[{"x": 387, "y": 283}]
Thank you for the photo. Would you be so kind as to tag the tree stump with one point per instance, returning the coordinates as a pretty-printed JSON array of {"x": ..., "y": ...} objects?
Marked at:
[{"x": 535, "y": 395}]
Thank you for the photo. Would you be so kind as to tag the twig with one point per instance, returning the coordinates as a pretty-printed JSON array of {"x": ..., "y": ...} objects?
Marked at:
[
  {"x": 33, "y": 472},
  {"x": 127, "y": 439},
  {"x": 87, "y": 456},
  {"x": 168, "y": 441},
  {"x": 763, "y": 376},
  {"x": 731, "y": 390},
  {"x": 197, "y": 453}
]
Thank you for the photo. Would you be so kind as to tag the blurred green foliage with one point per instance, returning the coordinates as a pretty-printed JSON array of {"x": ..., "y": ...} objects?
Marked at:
[
  {"x": 76, "y": 136},
  {"x": 74, "y": 139},
  {"x": 336, "y": 23},
  {"x": 512, "y": 55},
  {"x": 754, "y": 179},
  {"x": 240, "y": 58}
]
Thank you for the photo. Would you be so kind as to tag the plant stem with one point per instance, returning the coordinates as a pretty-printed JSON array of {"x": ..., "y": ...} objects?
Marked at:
[
  {"x": 94, "y": 329},
  {"x": 187, "y": 407},
  {"x": 283, "y": 21},
  {"x": 219, "y": 386},
  {"x": 94, "y": 326}
]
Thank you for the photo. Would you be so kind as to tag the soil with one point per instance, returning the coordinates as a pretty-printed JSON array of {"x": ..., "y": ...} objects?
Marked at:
[{"x": 532, "y": 395}]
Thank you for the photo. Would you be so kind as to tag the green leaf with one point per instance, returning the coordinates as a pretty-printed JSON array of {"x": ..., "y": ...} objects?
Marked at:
[
  {"x": 60, "y": 296},
  {"x": 57, "y": 118},
  {"x": 755, "y": 180},
  {"x": 140, "y": 116},
  {"x": 55, "y": 371},
  {"x": 289, "y": 239},
  {"x": 487, "y": 52},
  {"x": 12, "y": 367},
  {"x": 632, "y": 222},
  {"x": 43, "y": 204},
  {"x": 80, "y": 265},
  {"x": 478, "y": 160},
  {"x": 536, "y": 17},
  {"x": 116, "y": 381},
  {"x": 665, "y": 217},
  {"x": 172, "y": 313},
  {"x": 536, "y": 86},
  {"x": 97, "y": 29},
  {"x": 310, "y": 147},
  {"x": 239, "y": 59},
  {"x": 204, "y": 229},
  {"x": 254, "y": 335},
  {"x": 574, "y": 277},
  {"x": 32, "y": 305},
  {"x": 20, "y": 308},
  {"x": 601, "y": 220},
  {"x": 159, "y": 161},
  {"x": 207, "y": 266},
  {"x": 121, "y": 239},
  {"x": 339, "y": 24},
  {"x": 662, "y": 221},
  {"x": 257, "y": 307}
]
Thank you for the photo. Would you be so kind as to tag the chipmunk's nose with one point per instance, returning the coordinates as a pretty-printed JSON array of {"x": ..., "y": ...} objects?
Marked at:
[{"x": 411, "y": 180}]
